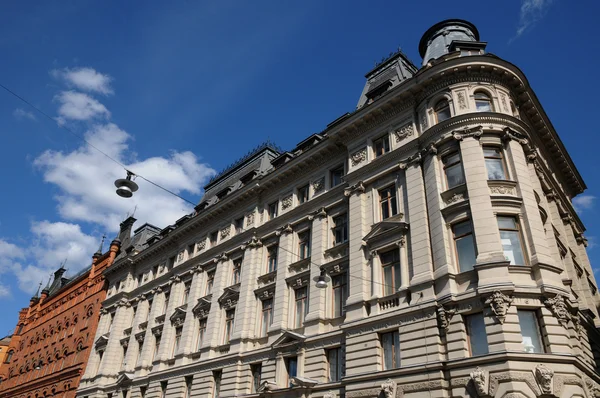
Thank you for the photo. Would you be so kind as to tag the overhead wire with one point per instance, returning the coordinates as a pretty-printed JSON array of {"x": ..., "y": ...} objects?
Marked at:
[{"x": 81, "y": 137}]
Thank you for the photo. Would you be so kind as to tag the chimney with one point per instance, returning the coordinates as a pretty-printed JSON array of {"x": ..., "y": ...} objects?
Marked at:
[{"x": 125, "y": 232}]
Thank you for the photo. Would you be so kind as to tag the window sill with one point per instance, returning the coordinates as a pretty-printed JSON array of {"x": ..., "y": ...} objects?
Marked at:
[
  {"x": 502, "y": 187},
  {"x": 299, "y": 266},
  {"x": 339, "y": 250}
]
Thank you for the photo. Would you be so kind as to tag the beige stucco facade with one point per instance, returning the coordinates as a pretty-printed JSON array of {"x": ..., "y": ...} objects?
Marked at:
[{"x": 431, "y": 297}]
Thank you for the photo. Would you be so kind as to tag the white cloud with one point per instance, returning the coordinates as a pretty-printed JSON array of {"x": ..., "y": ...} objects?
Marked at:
[
  {"x": 20, "y": 114},
  {"x": 591, "y": 242},
  {"x": 531, "y": 12},
  {"x": 86, "y": 79},
  {"x": 79, "y": 106},
  {"x": 583, "y": 203}
]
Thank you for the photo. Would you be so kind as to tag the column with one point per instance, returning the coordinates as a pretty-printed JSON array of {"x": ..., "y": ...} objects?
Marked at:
[
  {"x": 149, "y": 338},
  {"x": 215, "y": 325},
  {"x": 168, "y": 332},
  {"x": 282, "y": 291},
  {"x": 419, "y": 244},
  {"x": 190, "y": 327},
  {"x": 317, "y": 296},
  {"x": 358, "y": 274},
  {"x": 245, "y": 320},
  {"x": 91, "y": 368},
  {"x": 113, "y": 355}
]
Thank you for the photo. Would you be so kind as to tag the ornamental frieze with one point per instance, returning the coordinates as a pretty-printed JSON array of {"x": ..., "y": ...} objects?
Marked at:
[
  {"x": 318, "y": 185},
  {"x": 358, "y": 157},
  {"x": 404, "y": 132}
]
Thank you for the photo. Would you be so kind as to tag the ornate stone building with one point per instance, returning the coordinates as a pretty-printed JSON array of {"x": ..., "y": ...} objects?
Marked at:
[
  {"x": 49, "y": 349},
  {"x": 423, "y": 245}
]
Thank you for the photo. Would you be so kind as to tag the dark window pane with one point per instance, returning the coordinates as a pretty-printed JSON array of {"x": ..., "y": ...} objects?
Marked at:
[
  {"x": 477, "y": 335},
  {"x": 454, "y": 175},
  {"x": 495, "y": 169}
]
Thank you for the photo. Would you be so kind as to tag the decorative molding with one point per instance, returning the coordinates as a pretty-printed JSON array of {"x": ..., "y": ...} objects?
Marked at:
[
  {"x": 357, "y": 188},
  {"x": 444, "y": 316},
  {"x": 321, "y": 213},
  {"x": 543, "y": 376},
  {"x": 358, "y": 157},
  {"x": 475, "y": 132},
  {"x": 285, "y": 230},
  {"x": 462, "y": 102},
  {"x": 287, "y": 202},
  {"x": 527, "y": 377},
  {"x": 254, "y": 242},
  {"x": 456, "y": 197},
  {"x": 250, "y": 219},
  {"x": 405, "y": 131},
  {"x": 503, "y": 101},
  {"x": 480, "y": 380},
  {"x": 499, "y": 303},
  {"x": 558, "y": 307},
  {"x": 201, "y": 245},
  {"x": 388, "y": 388},
  {"x": 330, "y": 394},
  {"x": 318, "y": 185},
  {"x": 225, "y": 232}
]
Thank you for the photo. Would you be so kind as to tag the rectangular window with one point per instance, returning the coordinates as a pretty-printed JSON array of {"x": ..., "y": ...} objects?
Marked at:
[
  {"x": 186, "y": 292},
  {"x": 267, "y": 316},
  {"x": 210, "y": 279},
  {"x": 390, "y": 346},
  {"x": 124, "y": 357},
  {"x": 453, "y": 170},
  {"x": 132, "y": 319},
  {"x": 291, "y": 366},
  {"x": 272, "y": 258},
  {"x": 530, "y": 330},
  {"x": 190, "y": 251},
  {"x": 237, "y": 271},
  {"x": 163, "y": 389},
  {"x": 155, "y": 271},
  {"x": 217, "y": 374},
  {"x": 143, "y": 391},
  {"x": 464, "y": 245},
  {"x": 510, "y": 236},
  {"x": 156, "y": 347},
  {"x": 340, "y": 294},
  {"x": 166, "y": 302},
  {"x": 201, "y": 333},
  {"x": 188, "y": 386},
  {"x": 178, "y": 332},
  {"x": 336, "y": 176},
  {"x": 304, "y": 244},
  {"x": 340, "y": 229},
  {"x": 139, "y": 356},
  {"x": 229, "y": 318},
  {"x": 476, "y": 334},
  {"x": 381, "y": 145},
  {"x": 171, "y": 262},
  {"x": 387, "y": 202},
  {"x": 303, "y": 194},
  {"x": 239, "y": 225},
  {"x": 213, "y": 238},
  {"x": 390, "y": 264},
  {"x": 494, "y": 163},
  {"x": 256, "y": 370},
  {"x": 334, "y": 361},
  {"x": 301, "y": 305},
  {"x": 273, "y": 207}
]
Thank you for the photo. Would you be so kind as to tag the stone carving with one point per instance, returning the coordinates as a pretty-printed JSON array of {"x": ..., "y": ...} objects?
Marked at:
[
  {"x": 444, "y": 317},
  {"x": 456, "y": 197},
  {"x": 358, "y": 157},
  {"x": 250, "y": 219},
  {"x": 318, "y": 185},
  {"x": 502, "y": 190},
  {"x": 357, "y": 188},
  {"x": 225, "y": 232},
  {"x": 592, "y": 387},
  {"x": 329, "y": 394},
  {"x": 388, "y": 388},
  {"x": 462, "y": 102},
  {"x": 321, "y": 213},
  {"x": 579, "y": 327},
  {"x": 544, "y": 375},
  {"x": 499, "y": 303},
  {"x": 180, "y": 256},
  {"x": 559, "y": 308},
  {"x": 287, "y": 202},
  {"x": 201, "y": 245},
  {"x": 254, "y": 242},
  {"x": 424, "y": 121},
  {"x": 503, "y": 100},
  {"x": 403, "y": 132},
  {"x": 480, "y": 379}
]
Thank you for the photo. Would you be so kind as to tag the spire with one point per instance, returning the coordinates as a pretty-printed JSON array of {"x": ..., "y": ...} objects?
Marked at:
[
  {"x": 47, "y": 287},
  {"x": 38, "y": 290},
  {"x": 101, "y": 247}
]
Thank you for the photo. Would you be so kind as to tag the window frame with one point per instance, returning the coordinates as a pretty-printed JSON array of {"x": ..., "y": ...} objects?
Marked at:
[
  {"x": 304, "y": 244},
  {"x": 342, "y": 288},
  {"x": 210, "y": 282},
  {"x": 300, "y": 316},
  {"x": 395, "y": 355},
  {"x": 390, "y": 201},
  {"x": 287, "y": 363},
  {"x": 229, "y": 325},
  {"x": 236, "y": 270},
  {"x": 268, "y": 313},
  {"x": 238, "y": 225},
  {"x": 500, "y": 157},
  {"x": 391, "y": 265},
  {"x": 273, "y": 209},
  {"x": 272, "y": 254},
  {"x": 456, "y": 238},
  {"x": 333, "y": 175},
  {"x": 343, "y": 227},
  {"x": 447, "y": 166},
  {"x": 484, "y": 96},
  {"x": 202, "y": 323},
  {"x": 255, "y": 369},
  {"x": 470, "y": 334},
  {"x": 177, "y": 340},
  {"x": 339, "y": 373},
  {"x": 385, "y": 147},
  {"x": 303, "y": 194},
  {"x": 519, "y": 234},
  {"x": 437, "y": 109},
  {"x": 537, "y": 326}
]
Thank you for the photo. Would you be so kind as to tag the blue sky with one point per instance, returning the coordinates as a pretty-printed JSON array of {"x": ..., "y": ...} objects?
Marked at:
[{"x": 177, "y": 91}]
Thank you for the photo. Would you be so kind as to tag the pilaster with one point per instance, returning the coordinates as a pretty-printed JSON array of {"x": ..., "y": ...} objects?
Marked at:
[{"x": 358, "y": 271}]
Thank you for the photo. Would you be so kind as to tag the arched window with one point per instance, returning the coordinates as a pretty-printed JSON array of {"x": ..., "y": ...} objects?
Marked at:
[
  {"x": 442, "y": 110},
  {"x": 483, "y": 102},
  {"x": 9, "y": 356}
]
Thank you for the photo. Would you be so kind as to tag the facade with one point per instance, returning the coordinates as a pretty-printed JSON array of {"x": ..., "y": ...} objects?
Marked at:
[
  {"x": 437, "y": 221},
  {"x": 4, "y": 344},
  {"x": 49, "y": 349}
]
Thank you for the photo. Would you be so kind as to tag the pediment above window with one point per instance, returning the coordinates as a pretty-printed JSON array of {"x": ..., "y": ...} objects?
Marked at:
[
  {"x": 124, "y": 378},
  {"x": 386, "y": 230},
  {"x": 202, "y": 309},
  {"x": 288, "y": 338},
  {"x": 230, "y": 296},
  {"x": 300, "y": 280},
  {"x": 178, "y": 316}
]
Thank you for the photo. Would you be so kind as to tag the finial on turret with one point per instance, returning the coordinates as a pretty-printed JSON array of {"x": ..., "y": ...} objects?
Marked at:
[{"x": 101, "y": 247}]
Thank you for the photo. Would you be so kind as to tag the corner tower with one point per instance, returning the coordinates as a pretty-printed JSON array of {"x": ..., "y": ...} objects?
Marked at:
[{"x": 448, "y": 36}]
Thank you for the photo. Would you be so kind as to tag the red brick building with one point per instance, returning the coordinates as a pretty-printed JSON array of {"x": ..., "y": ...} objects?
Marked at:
[{"x": 49, "y": 349}]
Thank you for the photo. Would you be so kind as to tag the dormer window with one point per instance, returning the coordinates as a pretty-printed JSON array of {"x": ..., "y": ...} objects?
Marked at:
[
  {"x": 442, "y": 110},
  {"x": 223, "y": 193},
  {"x": 483, "y": 102},
  {"x": 248, "y": 177},
  {"x": 378, "y": 91}
]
